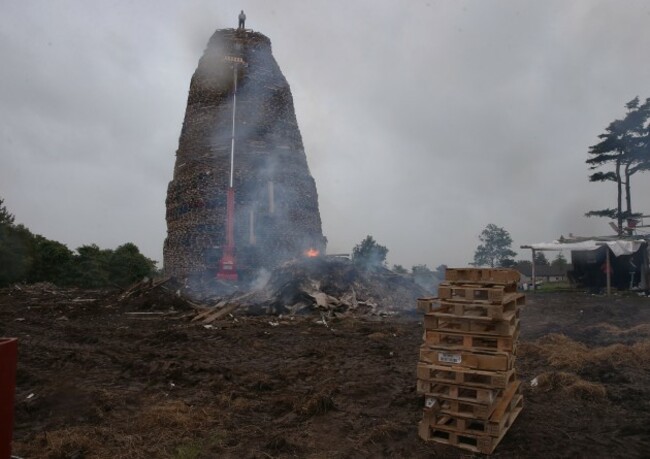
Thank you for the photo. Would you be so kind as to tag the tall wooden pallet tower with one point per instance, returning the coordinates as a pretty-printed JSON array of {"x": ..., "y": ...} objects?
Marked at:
[{"x": 466, "y": 370}]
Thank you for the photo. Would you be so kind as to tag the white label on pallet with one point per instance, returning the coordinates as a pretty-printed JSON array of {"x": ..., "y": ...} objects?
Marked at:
[
  {"x": 430, "y": 402},
  {"x": 448, "y": 357}
]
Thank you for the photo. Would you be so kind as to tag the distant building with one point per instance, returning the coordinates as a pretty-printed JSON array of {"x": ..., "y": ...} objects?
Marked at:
[
  {"x": 543, "y": 273},
  {"x": 628, "y": 265}
]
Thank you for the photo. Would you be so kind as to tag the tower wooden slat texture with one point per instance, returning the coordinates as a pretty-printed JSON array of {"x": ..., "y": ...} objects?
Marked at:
[{"x": 276, "y": 202}]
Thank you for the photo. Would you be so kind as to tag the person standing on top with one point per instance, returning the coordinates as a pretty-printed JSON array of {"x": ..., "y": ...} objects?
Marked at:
[{"x": 242, "y": 20}]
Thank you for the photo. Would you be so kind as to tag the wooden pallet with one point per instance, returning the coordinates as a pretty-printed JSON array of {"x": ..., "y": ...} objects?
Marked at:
[
  {"x": 426, "y": 304},
  {"x": 474, "y": 435},
  {"x": 475, "y": 426},
  {"x": 471, "y": 342},
  {"x": 480, "y": 395},
  {"x": 474, "y": 295},
  {"x": 483, "y": 325},
  {"x": 459, "y": 407},
  {"x": 496, "y": 276},
  {"x": 457, "y": 309},
  {"x": 491, "y": 361},
  {"x": 493, "y": 425},
  {"x": 465, "y": 377},
  {"x": 475, "y": 292}
]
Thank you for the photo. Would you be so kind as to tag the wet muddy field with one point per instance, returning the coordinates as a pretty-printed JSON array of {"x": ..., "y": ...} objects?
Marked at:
[{"x": 96, "y": 381}]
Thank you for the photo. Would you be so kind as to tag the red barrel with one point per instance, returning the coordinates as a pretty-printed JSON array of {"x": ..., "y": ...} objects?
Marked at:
[{"x": 8, "y": 355}]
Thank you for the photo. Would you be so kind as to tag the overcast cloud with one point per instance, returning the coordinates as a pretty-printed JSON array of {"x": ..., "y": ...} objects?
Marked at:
[{"x": 422, "y": 121}]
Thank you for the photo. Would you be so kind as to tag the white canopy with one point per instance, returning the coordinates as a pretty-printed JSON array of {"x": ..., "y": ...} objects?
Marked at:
[{"x": 618, "y": 247}]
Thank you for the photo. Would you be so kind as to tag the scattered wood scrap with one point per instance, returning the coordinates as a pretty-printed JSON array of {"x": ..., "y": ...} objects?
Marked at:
[
  {"x": 150, "y": 313},
  {"x": 144, "y": 286},
  {"x": 221, "y": 313}
]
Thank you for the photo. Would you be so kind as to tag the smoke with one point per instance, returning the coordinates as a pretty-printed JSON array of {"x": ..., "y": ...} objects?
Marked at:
[
  {"x": 261, "y": 279},
  {"x": 271, "y": 175},
  {"x": 491, "y": 105},
  {"x": 276, "y": 203}
]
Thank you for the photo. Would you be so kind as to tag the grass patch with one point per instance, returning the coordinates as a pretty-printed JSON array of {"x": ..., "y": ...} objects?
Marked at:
[
  {"x": 570, "y": 384},
  {"x": 315, "y": 405},
  {"x": 637, "y": 330},
  {"x": 190, "y": 450},
  {"x": 562, "y": 352},
  {"x": 554, "y": 287},
  {"x": 198, "y": 447}
]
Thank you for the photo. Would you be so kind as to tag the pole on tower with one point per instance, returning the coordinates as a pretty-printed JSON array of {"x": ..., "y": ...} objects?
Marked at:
[{"x": 228, "y": 263}]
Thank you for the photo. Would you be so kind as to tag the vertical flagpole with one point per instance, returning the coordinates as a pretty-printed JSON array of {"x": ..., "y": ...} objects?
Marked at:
[
  {"x": 234, "y": 110},
  {"x": 227, "y": 265}
]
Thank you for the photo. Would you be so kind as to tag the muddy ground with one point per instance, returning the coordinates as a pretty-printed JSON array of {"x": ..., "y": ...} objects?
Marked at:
[{"x": 96, "y": 382}]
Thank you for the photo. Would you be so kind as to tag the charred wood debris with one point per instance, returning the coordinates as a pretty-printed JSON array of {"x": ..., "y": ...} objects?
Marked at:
[
  {"x": 323, "y": 287},
  {"x": 329, "y": 287}
]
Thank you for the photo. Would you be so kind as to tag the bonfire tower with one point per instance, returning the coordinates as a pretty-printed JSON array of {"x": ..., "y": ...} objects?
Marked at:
[{"x": 276, "y": 204}]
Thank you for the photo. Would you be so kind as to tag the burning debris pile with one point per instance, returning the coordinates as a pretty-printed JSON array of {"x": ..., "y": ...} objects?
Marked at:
[
  {"x": 307, "y": 285},
  {"x": 335, "y": 286},
  {"x": 276, "y": 214}
]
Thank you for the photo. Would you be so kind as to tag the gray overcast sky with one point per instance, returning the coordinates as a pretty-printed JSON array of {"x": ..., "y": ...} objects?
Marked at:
[{"x": 423, "y": 121}]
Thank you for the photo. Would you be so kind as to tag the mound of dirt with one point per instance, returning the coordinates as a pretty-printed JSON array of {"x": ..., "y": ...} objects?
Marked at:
[
  {"x": 562, "y": 352},
  {"x": 570, "y": 384}
]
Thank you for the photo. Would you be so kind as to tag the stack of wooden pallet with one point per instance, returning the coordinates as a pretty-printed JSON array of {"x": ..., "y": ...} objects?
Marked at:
[{"x": 466, "y": 370}]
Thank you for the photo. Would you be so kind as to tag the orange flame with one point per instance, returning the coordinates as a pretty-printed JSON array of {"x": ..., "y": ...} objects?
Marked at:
[{"x": 311, "y": 253}]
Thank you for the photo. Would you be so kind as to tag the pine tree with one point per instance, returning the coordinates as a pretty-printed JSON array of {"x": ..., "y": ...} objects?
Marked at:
[
  {"x": 625, "y": 144},
  {"x": 540, "y": 259},
  {"x": 6, "y": 218}
]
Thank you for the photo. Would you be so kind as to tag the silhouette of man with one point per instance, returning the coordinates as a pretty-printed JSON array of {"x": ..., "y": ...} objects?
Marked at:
[{"x": 242, "y": 20}]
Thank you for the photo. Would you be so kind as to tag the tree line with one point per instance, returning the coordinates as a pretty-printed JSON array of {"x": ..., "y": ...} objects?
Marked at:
[
  {"x": 495, "y": 251},
  {"x": 27, "y": 257},
  {"x": 369, "y": 255}
]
